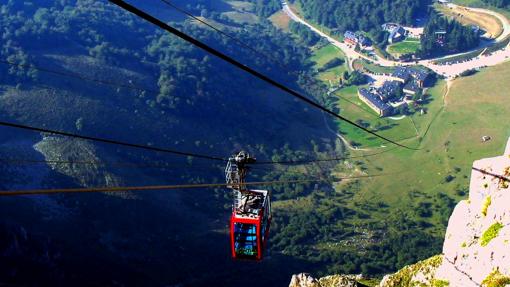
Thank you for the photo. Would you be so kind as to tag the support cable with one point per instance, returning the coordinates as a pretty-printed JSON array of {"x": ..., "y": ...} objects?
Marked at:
[
  {"x": 165, "y": 187},
  {"x": 132, "y": 9},
  {"x": 110, "y": 141}
]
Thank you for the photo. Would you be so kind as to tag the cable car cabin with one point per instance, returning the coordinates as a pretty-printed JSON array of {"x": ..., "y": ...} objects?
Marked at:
[{"x": 249, "y": 224}]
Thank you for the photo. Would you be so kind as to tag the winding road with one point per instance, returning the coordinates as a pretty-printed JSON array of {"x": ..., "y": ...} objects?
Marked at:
[
  {"x": 349, "y": 51},
  {"x": 449, "y": 71}
]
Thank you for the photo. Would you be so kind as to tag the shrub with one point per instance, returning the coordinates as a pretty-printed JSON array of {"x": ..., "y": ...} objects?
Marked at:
[
  {"x": 440, "y": 283},
  {"x": 496, "y": 279},
  {"x": 449, "y": 178},
  {"x": 331, "y": 64},
  {"x": 357, "y": 78},
  {"x": 468, "y": 73},
  {"x": 491, "y": 233},
  {"x": 486, "y": 205}
]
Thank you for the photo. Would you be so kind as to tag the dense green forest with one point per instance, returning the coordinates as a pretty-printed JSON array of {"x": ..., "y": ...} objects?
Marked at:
[
  {"x": 307, "y": 36},
  {"x": 265, "y": 8},
  {"x": 180, "y": 66},
  {"x": 365, "y": 16},
  {"x": 457, "y": 38}
]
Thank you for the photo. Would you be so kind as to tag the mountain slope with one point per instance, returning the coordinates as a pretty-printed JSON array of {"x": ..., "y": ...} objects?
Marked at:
[
  {"x": 476, "y": 248},
  {"x": 199, "y": 104}
]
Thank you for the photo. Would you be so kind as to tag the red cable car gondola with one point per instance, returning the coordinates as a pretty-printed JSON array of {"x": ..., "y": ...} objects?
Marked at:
[
  {"x": 251, "y": 212},
  {"x": 249, "y": 224}
]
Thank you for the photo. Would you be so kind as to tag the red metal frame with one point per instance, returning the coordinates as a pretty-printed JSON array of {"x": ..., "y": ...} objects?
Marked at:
[
  {"x": 254, "y": 221},
  {"x": 261, "y": 242}
]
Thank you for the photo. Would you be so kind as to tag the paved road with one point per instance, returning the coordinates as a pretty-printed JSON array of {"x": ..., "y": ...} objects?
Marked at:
[
  {"x": 349, "y": 51},
  {"x": 449, "y": 71},
  {"x": 504, "y": 20},
  {"x": 500, "y": 56}
]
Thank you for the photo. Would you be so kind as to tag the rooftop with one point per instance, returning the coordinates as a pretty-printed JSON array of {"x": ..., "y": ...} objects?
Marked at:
[
  {"x": 390, "y": 26},
  {"x": 398, "y": 31},
  {"x": 418, "y": 74},
  {"x": 405, "y": 72},
  {"x": 412, "y": 86},
  {"x": 401, "y": 73},
  {"x": 250, "y": 203},
  {"x": 374, "y": 99},
  {"x": 389, "y": 89},
  {"x": 350, "y": 35},
  {"x": 357, "y": 37}
]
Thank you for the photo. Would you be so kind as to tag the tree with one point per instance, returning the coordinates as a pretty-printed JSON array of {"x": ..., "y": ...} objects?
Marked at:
[
  {"x": 418, "y": 96},
  {"x": 357, "y": 78},
  {"x": 457, "y": 37},
  {"x": 367, "y": 15},
  {"x": 345, "y": 76},
  {"x": 402, "y": 109}
]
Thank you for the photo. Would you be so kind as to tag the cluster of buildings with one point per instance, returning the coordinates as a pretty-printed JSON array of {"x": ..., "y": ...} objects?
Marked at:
[
  {"x": 406, "y": 82},
  {"x": 357, "y": 39},
  {"x": 397, "y": 32}
]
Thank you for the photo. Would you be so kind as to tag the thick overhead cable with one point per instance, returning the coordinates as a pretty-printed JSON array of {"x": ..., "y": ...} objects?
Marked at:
[
  {"x": 109, "y": 141},
  {"x": 165, "y": 187},
  {"x": 156, "y": 165},
  {"x": 243, "y": 67},
  {"x": 249, "y": 47},
  {"x": 136, "y": 188},
  {"x": 151, "y": 148},
  {"x": 233, "y": 38}
]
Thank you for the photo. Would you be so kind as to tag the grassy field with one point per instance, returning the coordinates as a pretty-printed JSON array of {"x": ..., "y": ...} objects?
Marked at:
[
  {"x": 322, "y": 56},
  {"x": 371, "y": 67},
  {"x": 436, "y": 176},
  {"x": 280, "y": 20},
  {"x": 407, "y": 46},
  {"x": 353, "y": 108},
  {"x": 487, "y": 22},
  {"x": 448, "y": 146},
  {"x": 242, "y": 18},
  {"x": 240, "y": 12},
  {"x": 241, "y": 5}
]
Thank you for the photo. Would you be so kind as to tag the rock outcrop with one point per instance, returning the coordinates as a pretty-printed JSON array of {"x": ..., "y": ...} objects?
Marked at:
[
  {"x": 476, "y": 250},
  {"x": 306, "y": 280},
  {"x": 476, "y": 245}
]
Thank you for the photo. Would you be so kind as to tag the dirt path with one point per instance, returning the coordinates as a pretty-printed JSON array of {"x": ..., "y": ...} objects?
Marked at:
[
  {"x": 349, "y": 52},
  {"x": 449, "y": 84},
  {"x": 491, "y": 24},
  {"x": 504, "y": 20}
]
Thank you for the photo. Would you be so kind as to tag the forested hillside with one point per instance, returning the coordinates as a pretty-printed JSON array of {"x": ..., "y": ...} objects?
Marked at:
[
  {"x": 181, "y": 99},
  {"x": 57, "y": 23},
  {"x": 365, "y": 16},
  {"x": 457, "y": 38}
]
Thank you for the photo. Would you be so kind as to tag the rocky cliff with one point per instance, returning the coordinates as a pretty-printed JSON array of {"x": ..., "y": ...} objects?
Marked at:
[{"x": 476, "y": 250}]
